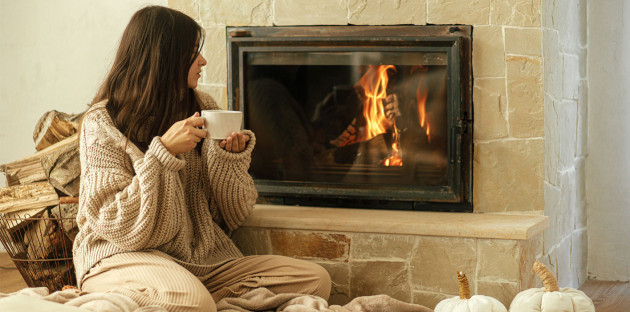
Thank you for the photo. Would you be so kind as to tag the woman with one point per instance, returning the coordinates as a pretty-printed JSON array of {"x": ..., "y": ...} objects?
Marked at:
[{"x": 156, "y": 199}]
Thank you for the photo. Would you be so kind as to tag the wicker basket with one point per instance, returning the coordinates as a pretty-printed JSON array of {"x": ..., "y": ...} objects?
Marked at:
[{"x": 40, "y": 245}]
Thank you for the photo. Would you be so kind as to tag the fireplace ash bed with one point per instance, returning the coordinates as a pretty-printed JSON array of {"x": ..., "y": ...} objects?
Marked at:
[{"x": 370, "y": 117}]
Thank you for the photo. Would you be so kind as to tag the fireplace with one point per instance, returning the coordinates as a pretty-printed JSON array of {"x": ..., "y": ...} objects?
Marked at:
[{"x": 352, "y": 116}]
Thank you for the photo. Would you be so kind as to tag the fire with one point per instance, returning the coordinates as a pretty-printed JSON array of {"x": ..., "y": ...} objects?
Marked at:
[
  {"x": 421, "y": 98},
  {"x": 374, "y": 83}
]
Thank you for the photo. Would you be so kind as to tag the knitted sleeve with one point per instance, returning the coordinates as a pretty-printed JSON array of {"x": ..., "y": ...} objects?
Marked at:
[
  {"x": 125, "y": 202},
  {"x": 232, "y": 189}
]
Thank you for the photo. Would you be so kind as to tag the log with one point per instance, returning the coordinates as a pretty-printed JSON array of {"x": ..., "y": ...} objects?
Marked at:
[
  {"x": 63, "y": 168},
  {"x": 66, "y": 214},
  {"x": 45, "y": 239},
  {"x": 15, "y": 221},
  {"x": 36, "y": 238},
  {"x": 53, "y": 127},
  {"x": 30, "y": 169},
  {"x": 27, "y": 197}
]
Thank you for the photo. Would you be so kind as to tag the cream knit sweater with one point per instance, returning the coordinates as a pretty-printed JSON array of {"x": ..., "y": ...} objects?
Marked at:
[{"x": 182, "y": 206}]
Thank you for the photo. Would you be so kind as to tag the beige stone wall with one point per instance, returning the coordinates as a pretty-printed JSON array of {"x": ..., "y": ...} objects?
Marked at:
[
  {"x": 411, "y": 268},
  {"x": 507, "y": 66}
]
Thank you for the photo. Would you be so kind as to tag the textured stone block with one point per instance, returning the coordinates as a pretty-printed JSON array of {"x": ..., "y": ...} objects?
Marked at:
[
  {"x": 523, "y": 41},
  {"x": 502, "y": 291},
  {"x": 310, "y": 245},
  {"x": 567, "y": 133},
  {"x": 473, "y": 12},
  {"x": 437, "y": 259},
  {"x": 500, "y": 260},
  {"x": 508, "y": 176},
  {"x": 531, "y": 250},
  {"x": 516, "y": 13},
  {"x": 563, "y": 269},
  {"x": 215, "y": 52},
  {"x": 568, "y": 202},
  {"x": 380, "y": 277},
  {"x": 367, "y": 246},
  {"x": 340, "y": 277},
  {"x": 490, "y": 106},
  {"x": 552, "y": 141},
  {"x": 525, "y": 96},
  {"x": 236, "y": 13},
  {"x": 488, "y": 52},
  {"x": 552, "y": 210},
  {"x": 429, "y": 299},
  {"x": 218, "y": 93},
  {"x": 547, "y": 13},
  {"x": 386, "y": 12},
  {"x": 252, "y": 241},
  {"x": 305, "y": 12},
  {"x": 570, "y": 76},
  {"x": 188, "y": 7},
  {"x": 570, "y": 21},
  {"x": 552, "y": 59}
]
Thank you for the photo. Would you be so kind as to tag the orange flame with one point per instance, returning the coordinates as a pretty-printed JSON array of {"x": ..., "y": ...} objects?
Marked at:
[
  {"x": 421, "y": 98},
  {"x": 374, "y": 84}
]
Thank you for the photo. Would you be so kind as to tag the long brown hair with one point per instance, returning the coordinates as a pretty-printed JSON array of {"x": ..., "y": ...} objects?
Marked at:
[{"x": 147, "y": 89}]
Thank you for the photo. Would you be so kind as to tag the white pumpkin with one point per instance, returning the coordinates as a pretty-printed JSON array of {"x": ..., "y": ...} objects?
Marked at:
[
  {"x": 551, "y": 298},
  {"x": 466, "y": 303}
]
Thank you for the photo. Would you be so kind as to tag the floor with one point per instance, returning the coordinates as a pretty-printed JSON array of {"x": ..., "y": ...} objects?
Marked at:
[{"x": 607, "y": 296}]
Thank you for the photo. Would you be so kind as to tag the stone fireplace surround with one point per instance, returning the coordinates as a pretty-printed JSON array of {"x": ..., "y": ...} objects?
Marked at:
[{"x": 519, "y": 171}]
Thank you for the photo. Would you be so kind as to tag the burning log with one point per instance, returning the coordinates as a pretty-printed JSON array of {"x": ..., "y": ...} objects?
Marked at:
[
  {"x": 30, "y": 169},
  {"x": 53, "y": 127}
]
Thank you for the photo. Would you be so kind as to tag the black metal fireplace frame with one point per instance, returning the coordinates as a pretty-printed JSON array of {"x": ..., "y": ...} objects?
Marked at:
[{"x": 455, "y": 40}]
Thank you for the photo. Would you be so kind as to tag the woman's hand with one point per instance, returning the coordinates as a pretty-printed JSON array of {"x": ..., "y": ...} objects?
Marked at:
[
  {"x": 235, "y": 143},
  {"x": 184, "y": 135}
]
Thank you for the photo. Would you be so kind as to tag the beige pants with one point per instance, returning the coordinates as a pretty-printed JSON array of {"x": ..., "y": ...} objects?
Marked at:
[{"x": 151, "y": 278}]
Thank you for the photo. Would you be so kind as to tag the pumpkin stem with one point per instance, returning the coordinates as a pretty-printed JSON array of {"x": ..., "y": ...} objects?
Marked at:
[
  {"x": 464, "y": 288},
  {"x": 546, "y": 276}
]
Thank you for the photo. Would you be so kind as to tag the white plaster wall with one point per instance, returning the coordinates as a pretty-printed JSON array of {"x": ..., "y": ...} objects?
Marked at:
[
  {"x": 608, "y": 161},
  {"x": 53, "y": 55}
]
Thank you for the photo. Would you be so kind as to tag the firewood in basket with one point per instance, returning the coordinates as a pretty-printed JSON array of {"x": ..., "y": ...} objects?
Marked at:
[
  {"x": 67, "y": 214},
  {"x": 15, "y": 221},
  {"x": 30, "y": 169},
  {"x": 63, "y": 168},
  {"x": 45, "y": 239},
  {"x": 27, "y": 197},
  {"x": 36, "y": 239},
  {"x": 53, "y": 127},
  {"x": 54, "y": 273}
]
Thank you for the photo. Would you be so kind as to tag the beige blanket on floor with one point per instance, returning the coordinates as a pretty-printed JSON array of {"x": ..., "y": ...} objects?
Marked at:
[
  {"x": 97, "y": 302},
  {"x": 260, "y": 299}
]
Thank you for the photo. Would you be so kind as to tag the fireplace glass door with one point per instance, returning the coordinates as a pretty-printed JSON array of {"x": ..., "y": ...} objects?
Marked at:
[{"x": 348, "y": 121}]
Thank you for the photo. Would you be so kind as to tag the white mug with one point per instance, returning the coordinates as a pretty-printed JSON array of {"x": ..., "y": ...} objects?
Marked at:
[{"x": 220, "y": 123}]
